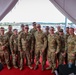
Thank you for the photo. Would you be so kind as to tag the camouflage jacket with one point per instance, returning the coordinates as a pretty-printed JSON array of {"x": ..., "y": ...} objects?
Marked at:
[
  {"x": 9, "y": 33},
  {"x": 25, "y": 41},
  {"x": 20, "y": 32},
  {"x": 66, "y": 38},
  {"x": 54, "y": 43},
  {"x": 3, "y": 42},
  {"x": 14, "y": 43},
  {"x": 33, "y": 31},
  {"x": 62, "y": 41},
  {"x": 40, "y": 41},
  {"x": 71, "y": 44}
]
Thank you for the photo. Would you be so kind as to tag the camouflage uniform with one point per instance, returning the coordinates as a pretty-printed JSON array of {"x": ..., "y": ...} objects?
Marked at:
[
  {"x": 40, "y": 46},
  {"x": 53, "y": 46},
  {"x": 9, "y": 33},
  {"x": 19, "y": 51},
  {"x": 57, "y": 33},
  {"x": 66, "y": 46},
  {"x": 62, "y": 49},
  {"x": 20, "y": 32},
  {"x": 66, "y": 37},
  {"x": 71, "y": 48},
  {"x": 45, "y": 54},
  {"x": 32, "y": 31},
  {"x": 4, "y": 54},
  {"x": 14, "y": 49},
  {"x": 25, "y": 45}
]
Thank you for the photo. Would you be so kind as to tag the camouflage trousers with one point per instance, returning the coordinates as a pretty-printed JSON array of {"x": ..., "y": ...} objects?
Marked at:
[
  {"x": 51, "y": 57},
  {"x": 61, "y": 58},
  {"x": 25, "y": 54},
  {"x": 32, "y": 54},
  {"x": 4, "y": 57},
  {"x": 15, "y": 59},
  {"x": 71, "y": 58},
  {"x": 39, "y": 53}
]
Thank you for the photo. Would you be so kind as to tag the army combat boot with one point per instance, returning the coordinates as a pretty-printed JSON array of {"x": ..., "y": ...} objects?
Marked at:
[
  {"x": 36, "y": 67},
  {"x": 8, "y": 67},
  {"x": 30, "y": 67},
  {"x": 48, "y": 68}
]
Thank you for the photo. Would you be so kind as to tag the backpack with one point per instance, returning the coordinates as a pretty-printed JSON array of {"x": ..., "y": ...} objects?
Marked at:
[{"x": 1, "y": 66}]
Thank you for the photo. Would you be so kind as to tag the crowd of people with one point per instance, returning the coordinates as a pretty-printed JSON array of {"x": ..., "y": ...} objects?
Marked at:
[{"x": 16, "y": 47}]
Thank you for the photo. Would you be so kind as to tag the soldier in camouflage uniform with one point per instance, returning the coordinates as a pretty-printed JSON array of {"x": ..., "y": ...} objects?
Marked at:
[
  {"x": 66, "y": 37},
  {"x": 46, "y": 33},
  {"x": 9, "y": 33},
  {"x": 22, "y": 28},
  {"x": 14, "y": 47},
  {"x": 4, "y": 48},
  {"x": 58, "y": 28},
  {"x": 47, "y": 30},
  {"x": 71, "y": 46},
  {"x": 40, "y": 46},
  {"x": 25, "y": 46},
  {"x": 57, "y": 33},
  {"x": 32, "y": 31},
  {"x": 53, "y": 49},
  {"x": 67, "y": 33},
  {"x": 62, "y": 47}
]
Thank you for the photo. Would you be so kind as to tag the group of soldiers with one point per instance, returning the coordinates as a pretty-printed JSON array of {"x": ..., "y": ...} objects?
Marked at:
[{"x": 16, "y": 48}]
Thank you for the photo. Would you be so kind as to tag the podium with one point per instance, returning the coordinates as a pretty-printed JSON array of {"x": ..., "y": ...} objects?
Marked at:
[{"x": 65, "y": 70}]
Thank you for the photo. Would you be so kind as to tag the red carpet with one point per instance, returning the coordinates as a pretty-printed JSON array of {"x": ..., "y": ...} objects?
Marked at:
[{"x": 26, "y": 71}]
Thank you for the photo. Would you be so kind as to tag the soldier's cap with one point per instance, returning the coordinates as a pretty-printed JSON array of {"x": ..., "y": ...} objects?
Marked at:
[
  {"x": 34, "y": 23},
  {"x": 22, "y": 25},
  {"x": 71, "y": 27},
  {"x": 14, "y": 29},
  {"x": 52, "y": 28},
  {"x": 2, "y": 28},
  {"x": 26, "y": 27},
  {"x": 47, "y": 27},
  {"x": 67, "y": 27},
  {"x": 61, "y": 30},
  {"x": 9, "y": 25},
  {"x": 38, "y": 26}
]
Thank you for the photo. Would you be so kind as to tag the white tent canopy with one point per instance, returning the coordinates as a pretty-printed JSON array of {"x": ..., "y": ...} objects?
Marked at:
[
  {"x": 67, "y": 8},
  {"x": 6, "y": 6}
]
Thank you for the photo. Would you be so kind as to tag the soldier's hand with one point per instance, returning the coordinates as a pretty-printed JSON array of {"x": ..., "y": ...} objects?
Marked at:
[
  {"x": 20, "y": 50},
  {"x": 42, "y": 51},
  {"x": 3, "y": 47},
  {"x": 16, "y": 56},
  {"x": 12, "y": 52},
  {"x": 31, "y": 50},
  {"x": 63, "y": 54},
  {"x": 56, "y": 52},
  {"x": 73, "y": 55}
]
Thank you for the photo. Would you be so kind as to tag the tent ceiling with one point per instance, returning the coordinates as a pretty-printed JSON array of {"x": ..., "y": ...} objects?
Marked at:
[
  {"x": 67, "y": 8},
  {"x": 6, "y": 6}
]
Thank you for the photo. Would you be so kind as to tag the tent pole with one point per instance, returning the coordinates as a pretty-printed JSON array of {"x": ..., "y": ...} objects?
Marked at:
[{"x": 66, "y": 23}]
